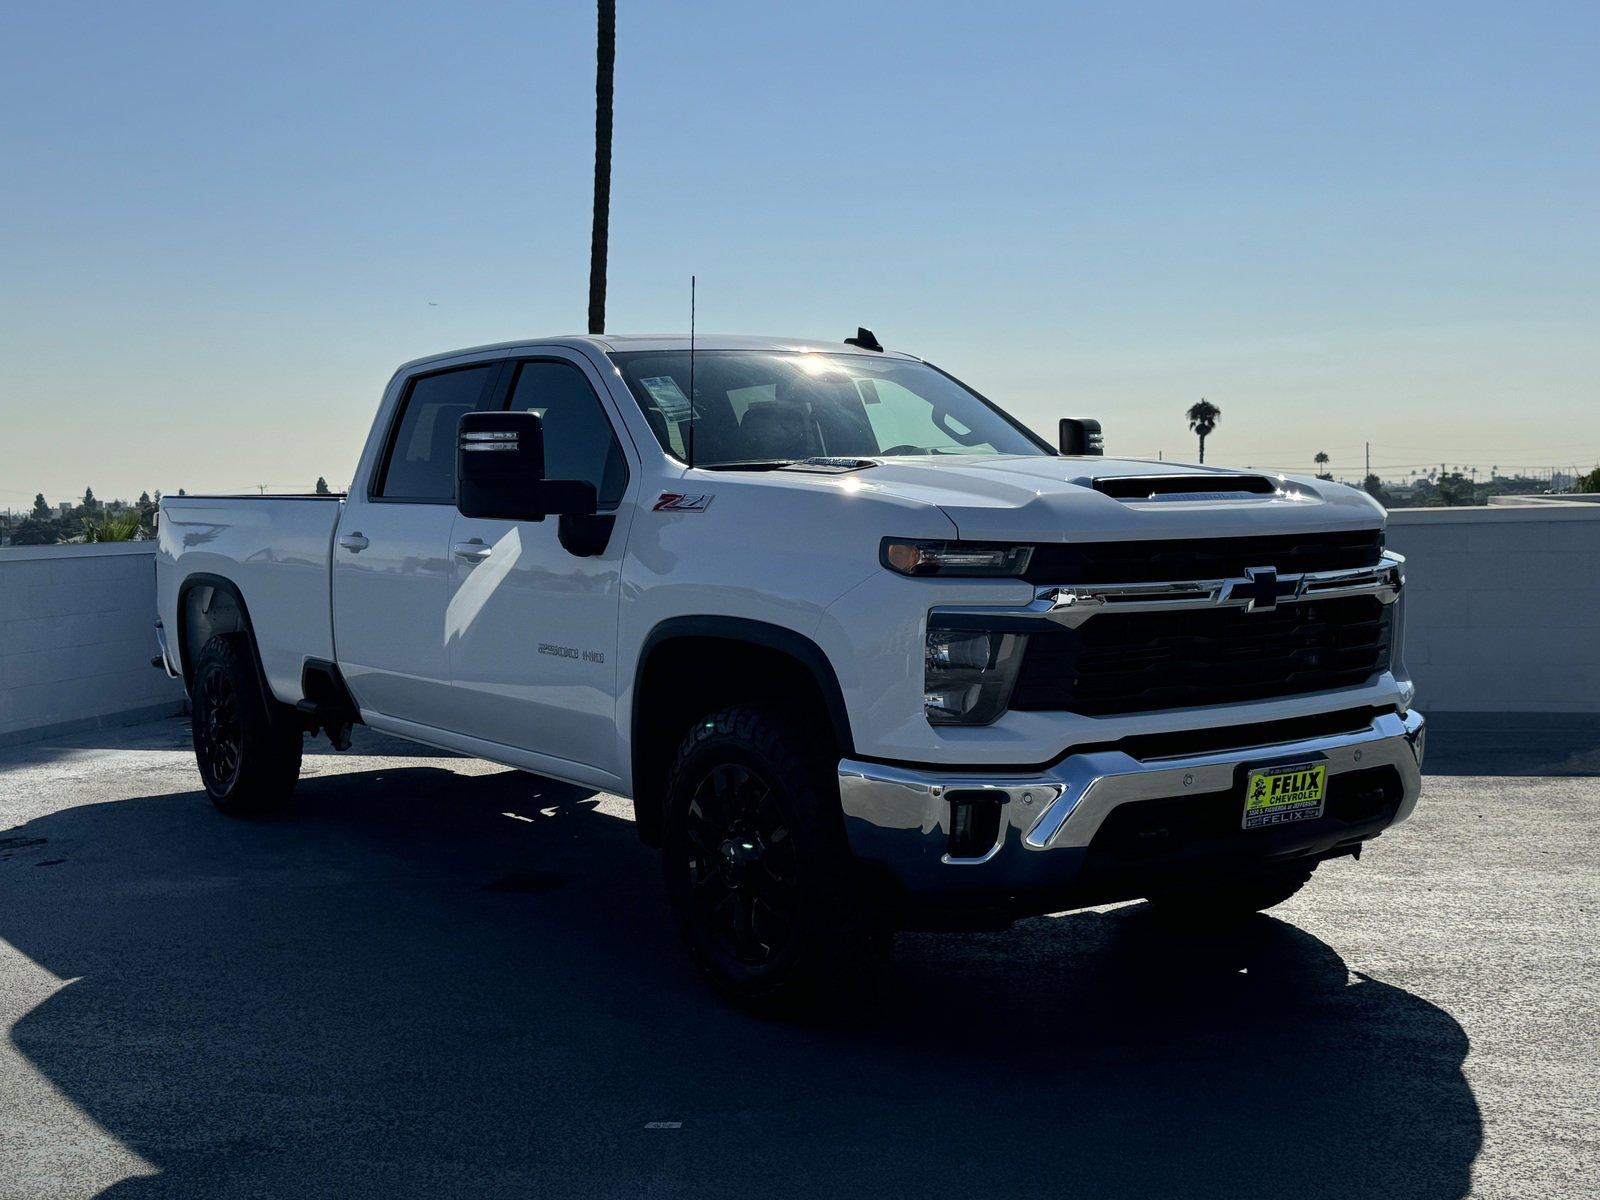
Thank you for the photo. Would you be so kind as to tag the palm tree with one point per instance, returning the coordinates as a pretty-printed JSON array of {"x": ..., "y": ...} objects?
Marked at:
[
  {"x": 605, "y": 68},
  {"x": 1203, "y": 418},
  {"x": 113, "y": 527},
  {"x": 1322, "y": 461}
]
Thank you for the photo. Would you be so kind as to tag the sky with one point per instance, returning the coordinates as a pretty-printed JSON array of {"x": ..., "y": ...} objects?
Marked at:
[{"x": 222, "y": 226}]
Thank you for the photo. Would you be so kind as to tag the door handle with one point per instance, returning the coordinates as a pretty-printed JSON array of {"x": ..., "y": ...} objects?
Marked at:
[
  {"x": 353, "y": 542},
  {"x": 472, "y": 552}
]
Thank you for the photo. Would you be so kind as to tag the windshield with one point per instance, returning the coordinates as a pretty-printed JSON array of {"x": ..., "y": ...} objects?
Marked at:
[{"x": 756, "y": 407}]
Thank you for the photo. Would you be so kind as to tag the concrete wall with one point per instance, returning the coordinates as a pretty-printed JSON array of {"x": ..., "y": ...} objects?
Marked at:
[
  {"x": 76, "y": 637},
  {"x": 1503, "y": 615},
  {"x": 1502, "y": 607}
]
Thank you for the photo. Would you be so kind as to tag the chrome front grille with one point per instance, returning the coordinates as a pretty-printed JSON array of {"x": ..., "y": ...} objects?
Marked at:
[
  {"x": 1145, "y": 661},
  {"x": 1112, "y": 648}
]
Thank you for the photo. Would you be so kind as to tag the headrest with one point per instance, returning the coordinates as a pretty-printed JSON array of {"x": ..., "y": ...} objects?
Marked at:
[{"x": 773, "y": 429}]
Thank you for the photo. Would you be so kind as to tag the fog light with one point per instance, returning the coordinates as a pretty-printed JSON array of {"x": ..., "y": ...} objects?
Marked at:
[{"x": 974, "y": 822}]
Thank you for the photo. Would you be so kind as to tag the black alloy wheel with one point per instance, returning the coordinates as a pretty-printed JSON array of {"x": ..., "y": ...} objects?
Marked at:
[
  {"x": 742, "y": 864},
  {"x": 219, "y": 730},
  {"x": 246, "y": 744},
  {"x": 758, "y": 868}
]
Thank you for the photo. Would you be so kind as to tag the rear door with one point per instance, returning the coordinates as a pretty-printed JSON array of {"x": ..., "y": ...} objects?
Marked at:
[
  {"x": 392, "y": 569},
  {"x": 532, "y": 626}
]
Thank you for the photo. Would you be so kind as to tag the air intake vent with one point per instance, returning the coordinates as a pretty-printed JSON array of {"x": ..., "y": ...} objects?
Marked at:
[{"x": 1185, "y": 487}]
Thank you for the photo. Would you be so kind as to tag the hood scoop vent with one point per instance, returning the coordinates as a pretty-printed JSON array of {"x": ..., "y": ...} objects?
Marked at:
[
  {"x": 830, "y": 466},
  {"x": 1184, "y": 487}
]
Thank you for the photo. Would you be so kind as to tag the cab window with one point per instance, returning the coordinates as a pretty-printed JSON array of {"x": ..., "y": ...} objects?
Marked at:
[
  {"x": 579, "y": 442},
  {"x": 421, "y": 463}
]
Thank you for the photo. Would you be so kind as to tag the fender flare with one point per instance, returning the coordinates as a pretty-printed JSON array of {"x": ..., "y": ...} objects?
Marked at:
[{"x": 760, "y": 633}]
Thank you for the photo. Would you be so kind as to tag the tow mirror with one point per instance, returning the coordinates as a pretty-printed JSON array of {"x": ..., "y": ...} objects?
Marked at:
[
  {"x": 1081, "y": 436},
  {"x": 500, "y": 471}
]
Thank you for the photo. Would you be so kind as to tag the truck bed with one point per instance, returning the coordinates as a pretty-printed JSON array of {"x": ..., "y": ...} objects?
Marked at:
[{"x": 278, "y": 551}]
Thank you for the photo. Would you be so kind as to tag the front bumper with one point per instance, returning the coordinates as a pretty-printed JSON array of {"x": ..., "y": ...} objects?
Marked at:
[{"x": 1075, "y": 833}]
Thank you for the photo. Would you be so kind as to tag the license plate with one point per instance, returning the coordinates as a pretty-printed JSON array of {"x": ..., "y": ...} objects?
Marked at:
[{"x": 1278, "y": 795}]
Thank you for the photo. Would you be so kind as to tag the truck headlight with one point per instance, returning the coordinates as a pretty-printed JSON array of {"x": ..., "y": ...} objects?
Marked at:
[
  {"x": 968, "y": 674},
  {"x": 953, "y": 558}
]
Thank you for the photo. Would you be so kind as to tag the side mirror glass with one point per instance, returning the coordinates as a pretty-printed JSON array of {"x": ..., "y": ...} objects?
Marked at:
[
  {"x": 1081, "y": 436},
  {"x": 500, "y": 471}
]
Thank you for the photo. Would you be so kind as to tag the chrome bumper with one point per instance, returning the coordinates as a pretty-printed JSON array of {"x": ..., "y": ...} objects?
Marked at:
[{"x": 899, "y": 817}]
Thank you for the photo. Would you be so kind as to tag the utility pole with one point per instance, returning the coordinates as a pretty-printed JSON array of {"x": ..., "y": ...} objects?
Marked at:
[
  {"x": 1369, "y": 462},
  {"x": 604, "y": 71}
]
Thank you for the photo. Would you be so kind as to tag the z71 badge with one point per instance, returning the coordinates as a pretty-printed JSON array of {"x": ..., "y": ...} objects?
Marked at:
[{"x": 673, "y": 502}]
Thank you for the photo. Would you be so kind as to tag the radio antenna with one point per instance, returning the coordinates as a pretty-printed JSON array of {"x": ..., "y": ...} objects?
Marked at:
[{"x": 691, "y": 371}]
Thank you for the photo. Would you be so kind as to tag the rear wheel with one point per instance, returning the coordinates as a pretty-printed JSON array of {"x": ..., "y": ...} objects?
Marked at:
[
  {"x": 247, "y": 749},
  {"x": 1219, "y": 903},
  {"x": 757, "y": 868}
]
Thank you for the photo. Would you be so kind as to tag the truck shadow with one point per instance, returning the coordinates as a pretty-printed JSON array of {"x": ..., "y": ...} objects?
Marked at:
[
  {"x": 158, "y": 734},
  {"x": 421, "y": 983}
]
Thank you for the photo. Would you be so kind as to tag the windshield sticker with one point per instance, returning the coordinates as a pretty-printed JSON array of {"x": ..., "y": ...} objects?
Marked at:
[{"x": 669, "y": 397}]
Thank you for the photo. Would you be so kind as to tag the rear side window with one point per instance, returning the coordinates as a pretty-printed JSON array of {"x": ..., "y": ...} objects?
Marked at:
[
  {"x": 579, "y": 442},
  {"x": 422, "y": 453}
]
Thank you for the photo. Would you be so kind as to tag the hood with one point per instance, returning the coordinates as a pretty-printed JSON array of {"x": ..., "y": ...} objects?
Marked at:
[{"x": 1044, "y": 498}]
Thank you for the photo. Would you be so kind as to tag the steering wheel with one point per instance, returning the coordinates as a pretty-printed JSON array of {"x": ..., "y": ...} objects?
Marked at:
[{"x": 906, "y": 448}]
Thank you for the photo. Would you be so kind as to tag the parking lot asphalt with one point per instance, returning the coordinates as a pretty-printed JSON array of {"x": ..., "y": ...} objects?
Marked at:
[{"x": 434, "y": 977}]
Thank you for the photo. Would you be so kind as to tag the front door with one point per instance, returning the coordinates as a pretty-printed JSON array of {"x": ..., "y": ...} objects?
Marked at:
[
  {"x": 532, "y": 626},
  {"x": 392, "y": 567}
]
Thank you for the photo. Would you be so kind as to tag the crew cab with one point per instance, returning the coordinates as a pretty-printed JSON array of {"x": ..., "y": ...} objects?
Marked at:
[{"x": 865, "y": 652}]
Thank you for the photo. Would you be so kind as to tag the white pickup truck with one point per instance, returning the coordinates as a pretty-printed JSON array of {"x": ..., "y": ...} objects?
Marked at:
[{"x": 865, "y": 652}]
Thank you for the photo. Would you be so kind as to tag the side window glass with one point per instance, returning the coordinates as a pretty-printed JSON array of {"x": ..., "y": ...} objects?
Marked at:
[
  {"x": 422, "y": 457},
  {"x": 579, "y": 442}
]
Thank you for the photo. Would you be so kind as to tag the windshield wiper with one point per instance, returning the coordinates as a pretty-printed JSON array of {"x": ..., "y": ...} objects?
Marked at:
[{"x": 751, "y": 464}]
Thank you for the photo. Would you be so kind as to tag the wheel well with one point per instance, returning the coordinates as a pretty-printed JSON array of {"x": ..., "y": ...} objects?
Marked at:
[
  {"x": 684, "y": 676},
  {"x": 207, "y": 606}
]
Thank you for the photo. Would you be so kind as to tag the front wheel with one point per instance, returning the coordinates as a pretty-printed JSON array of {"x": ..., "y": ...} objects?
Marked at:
[
  {"x": 247, "y": 751},
  {"x": 758, "y": 872}
]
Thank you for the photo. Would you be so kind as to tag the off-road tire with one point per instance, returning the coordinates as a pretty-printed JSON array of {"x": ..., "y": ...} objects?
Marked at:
[
  {"x": 247, "y": 746},
  {"x": 1221, "y": 903},
  {"x": 835, "y": 939}
]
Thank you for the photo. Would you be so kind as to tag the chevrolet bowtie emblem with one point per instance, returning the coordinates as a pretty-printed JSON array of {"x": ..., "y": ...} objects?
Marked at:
[{"x": 1262, "y": 589}]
